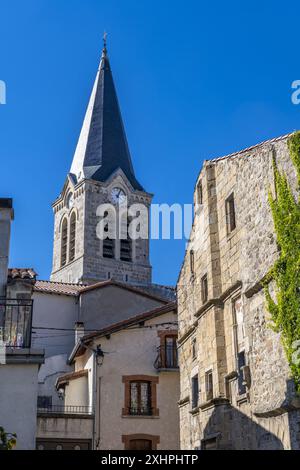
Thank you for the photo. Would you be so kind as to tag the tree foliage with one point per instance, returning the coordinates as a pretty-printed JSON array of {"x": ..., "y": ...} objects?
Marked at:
[{"x": 7, "y": 440}]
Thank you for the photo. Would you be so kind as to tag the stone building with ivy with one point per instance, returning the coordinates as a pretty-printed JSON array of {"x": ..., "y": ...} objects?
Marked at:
[{"x": 238, "y": 387}]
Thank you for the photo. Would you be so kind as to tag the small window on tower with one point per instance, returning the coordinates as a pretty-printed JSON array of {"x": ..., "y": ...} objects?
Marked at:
[
  {"x": 192, "y": 261},
  {"x": 204, "y": 289},
  {"x": 195, "y": 391},
  {"x": 230, "y": 214},
  {"x": 200, "y": 193},
  {"x": 209, "y": 385}
]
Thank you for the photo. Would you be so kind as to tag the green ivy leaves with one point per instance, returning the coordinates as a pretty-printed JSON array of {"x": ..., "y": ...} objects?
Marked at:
[{"x": 285, "y": 311}]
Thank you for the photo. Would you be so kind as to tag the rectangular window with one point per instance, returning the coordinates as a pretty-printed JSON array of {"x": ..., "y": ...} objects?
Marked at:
[
  {"x": 209, "y": 385},
  {"x": 204, "y": 289},
  {"x": 195, "y": 391},
  {"x": 194, "y": 348},
  {"x": 200, "y": 193},
  {"x": 230, "y": 214},
  {"x": 192, "y": 261},
  {"x": 171, "y": 360},
  {"x": 238, "y": 325},
  {"x": 140, "y": 398},
  {"x": 241, "y": 364}
]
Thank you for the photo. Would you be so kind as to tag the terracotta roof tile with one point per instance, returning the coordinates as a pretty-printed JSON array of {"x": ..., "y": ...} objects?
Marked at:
[
  {"x": 151, "y": 291},
  {"x": 57, "y": 288}
]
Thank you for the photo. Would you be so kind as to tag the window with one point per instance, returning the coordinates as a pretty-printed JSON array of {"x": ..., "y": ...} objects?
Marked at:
[
  {"x": 44, "y": 402},
  {"x": 241, "y": 363},
  {"x": 230, "y": 214},
  {"x": 64, "y": 242},
  {"x": 140, "y": 398},
  {"x": 195, "y": 391},
  {"x": 108, "y": 243},
  {"x": 194, "y": 348},
  {"x": 209, "y": 385},
  {"x": 167, "y": 357},
  {"x": 200, "y": 193},
  {"x": 192, "y": 261},
  {"x": 140, "y": 395},
  {"x": 72, "y": 237},
  {"x": 126, "y": 245},
  {"x": 171, "y": 352},
  {"x": 238, "y": 325},
  {"x": 204, "y": 289},
  {"x": 140, "y": 442}
]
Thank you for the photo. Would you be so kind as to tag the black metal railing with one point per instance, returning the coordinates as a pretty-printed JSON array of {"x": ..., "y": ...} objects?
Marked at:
[
  {"x": 167, "y": 357},
  {"x": 140, "y": 411},
  {"x": 66, "y": 409},
  {"x": 16, "y": 322}
]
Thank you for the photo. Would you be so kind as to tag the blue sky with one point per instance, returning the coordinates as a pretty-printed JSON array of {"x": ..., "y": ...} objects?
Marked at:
[{"x": 195, "y": 80}]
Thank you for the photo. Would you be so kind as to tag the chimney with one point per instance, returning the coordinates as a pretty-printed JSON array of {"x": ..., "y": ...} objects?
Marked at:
[
  {"x": 6, "y": 216},
  {"x": 79, "y": 331}
]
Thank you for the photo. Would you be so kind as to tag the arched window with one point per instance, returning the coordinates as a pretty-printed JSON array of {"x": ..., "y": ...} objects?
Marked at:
[
  {"x": 108, "y": 242},
  {"x": 64, "y": 242},
  {"x": 72, "y": 237},
  {"x": 126, "y": 244}
]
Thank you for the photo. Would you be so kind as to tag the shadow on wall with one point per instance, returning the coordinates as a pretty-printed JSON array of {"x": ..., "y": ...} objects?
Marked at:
[{"x": 229, "y": 428}]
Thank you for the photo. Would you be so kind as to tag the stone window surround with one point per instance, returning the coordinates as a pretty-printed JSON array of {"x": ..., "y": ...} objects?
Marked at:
[
  {"x": 67, "y": 217},
  {"x": 127, "y": 379},
  {"x": 126, "y": 438}
]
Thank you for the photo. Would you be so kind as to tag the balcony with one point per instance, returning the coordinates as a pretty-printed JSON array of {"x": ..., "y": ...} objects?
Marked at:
[
  {"x": 65, "y": 410},
  {"x": 16, "y": 322},
  {"x": 167, "y": 358}
]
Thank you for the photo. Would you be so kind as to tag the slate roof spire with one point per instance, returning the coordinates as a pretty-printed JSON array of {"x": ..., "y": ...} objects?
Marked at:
[{"x": 102, "y": 147}]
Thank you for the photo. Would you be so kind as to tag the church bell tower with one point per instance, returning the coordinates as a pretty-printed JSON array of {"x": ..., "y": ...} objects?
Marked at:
[{"x": 101, "y": 173}]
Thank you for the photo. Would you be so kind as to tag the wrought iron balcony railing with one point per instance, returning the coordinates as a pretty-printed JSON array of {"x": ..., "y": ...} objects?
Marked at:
[
  {"x": 16, "y": 322},
  {"x": 167, "y": 358},
  {"x": 66, "y": 409},
  {"x": 140, "y": 411}
]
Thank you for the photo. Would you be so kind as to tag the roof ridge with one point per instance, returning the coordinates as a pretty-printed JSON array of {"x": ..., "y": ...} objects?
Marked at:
[
  {"x": 62, "y": 283},
  {"x": 247, "y": 149}
]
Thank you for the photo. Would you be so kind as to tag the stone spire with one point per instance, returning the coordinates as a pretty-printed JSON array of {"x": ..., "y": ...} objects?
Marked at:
[{"x": 102, "y": 146}]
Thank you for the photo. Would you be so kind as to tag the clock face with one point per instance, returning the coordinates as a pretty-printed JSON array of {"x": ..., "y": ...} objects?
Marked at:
[
  {"x": 118, "y": 196},
  {"x": 70, "y": 201}
]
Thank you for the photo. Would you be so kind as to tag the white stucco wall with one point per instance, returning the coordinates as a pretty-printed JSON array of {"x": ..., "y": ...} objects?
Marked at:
[
  {"x": 18, "y": 402},
  {"x": 132, "y": 352},
  {"x": 53, "y": 311}
]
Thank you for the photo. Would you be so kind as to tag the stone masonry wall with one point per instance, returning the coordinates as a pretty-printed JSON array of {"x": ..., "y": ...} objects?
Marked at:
[{"x": 265, "y": 415}]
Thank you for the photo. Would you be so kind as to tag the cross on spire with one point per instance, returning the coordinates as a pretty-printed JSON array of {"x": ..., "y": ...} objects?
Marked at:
[{"x": 104, "y": 41}]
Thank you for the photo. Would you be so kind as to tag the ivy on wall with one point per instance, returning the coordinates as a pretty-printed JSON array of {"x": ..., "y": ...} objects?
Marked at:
[{"x": 285, "y": 310}]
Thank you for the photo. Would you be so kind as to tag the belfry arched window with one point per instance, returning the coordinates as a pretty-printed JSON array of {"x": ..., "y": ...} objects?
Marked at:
[
  {"x": 72, "y": 237},
  {"x": 64, "y": 242},
  {"x": 126, "y": 244}
]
